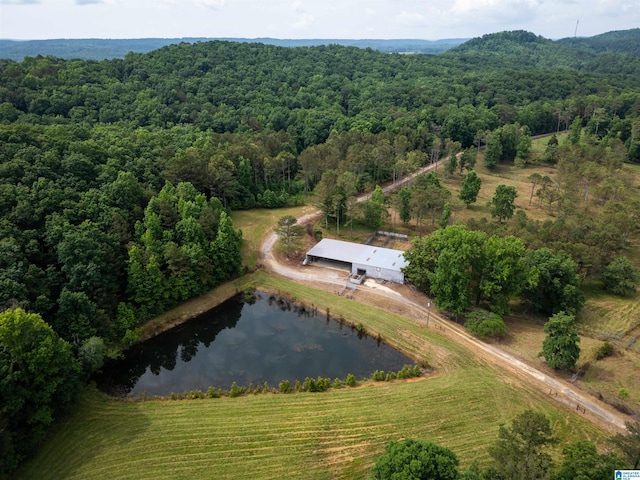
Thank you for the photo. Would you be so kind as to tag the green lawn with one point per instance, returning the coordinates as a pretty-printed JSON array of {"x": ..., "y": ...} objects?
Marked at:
[{"x": 335, "y": 434}]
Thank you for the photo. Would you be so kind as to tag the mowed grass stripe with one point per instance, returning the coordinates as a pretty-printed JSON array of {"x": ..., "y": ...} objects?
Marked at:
[{"x": 335, "y": 434}]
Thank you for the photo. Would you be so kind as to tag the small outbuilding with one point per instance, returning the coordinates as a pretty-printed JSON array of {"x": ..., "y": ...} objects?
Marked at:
[{"x": 364, "y": 260}]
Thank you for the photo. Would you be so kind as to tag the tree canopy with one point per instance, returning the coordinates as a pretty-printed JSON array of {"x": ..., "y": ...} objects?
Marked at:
[
  {"x": 415, "y": 460},
  {"x": 560, "y": 347},
  {"x": 521, "y": 449},
  {"x": 39, "y": 380},
  {"x": 462, "y": 267}
]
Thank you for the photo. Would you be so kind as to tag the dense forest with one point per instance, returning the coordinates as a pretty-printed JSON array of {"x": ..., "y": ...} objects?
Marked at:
[
  {"x": 101, "y": 49},
  {"x": 117, "y": 176}
]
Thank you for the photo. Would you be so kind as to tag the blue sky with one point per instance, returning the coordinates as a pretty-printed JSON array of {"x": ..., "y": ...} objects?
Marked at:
[{"x": 424, "y": 19}]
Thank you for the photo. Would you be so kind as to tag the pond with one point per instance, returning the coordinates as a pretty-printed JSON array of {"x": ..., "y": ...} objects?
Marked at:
[{"x": 266, "y": 340}]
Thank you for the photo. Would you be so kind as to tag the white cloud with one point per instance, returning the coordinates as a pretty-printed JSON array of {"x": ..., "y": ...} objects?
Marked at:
[
  {"x": 410, "y": 19},
  {"x": 88, "y": 2},
  {"x": 369, "y": 11},
  {"x": 303, "y": 21},
  {"x": 297, "y": 6},
  {"x": 214, "y": 4},
  {"x": 19, "y": 2}
]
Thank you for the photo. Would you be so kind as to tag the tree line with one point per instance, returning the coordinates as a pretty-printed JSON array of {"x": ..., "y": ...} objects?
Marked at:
[{"x": 523, "y": 450}]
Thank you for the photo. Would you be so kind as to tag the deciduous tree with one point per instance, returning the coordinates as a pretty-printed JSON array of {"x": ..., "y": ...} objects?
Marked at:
[
  {"x": 621, "y": 277},
  {"x": 415, "y": 460},
  {"x": 520, "y": 451},
  {"x": 502, "y": 205},
  {"x": 560, "y": 347},
  {"x": 39, "y": 380},
  {"x": 471, "y": 185}
]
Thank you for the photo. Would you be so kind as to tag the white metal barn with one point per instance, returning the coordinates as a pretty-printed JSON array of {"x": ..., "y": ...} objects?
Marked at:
[{"x": 374, "y": 262}]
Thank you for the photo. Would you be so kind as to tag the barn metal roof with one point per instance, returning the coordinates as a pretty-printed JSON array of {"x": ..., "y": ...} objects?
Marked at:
[{"x": 360, "y": 254}]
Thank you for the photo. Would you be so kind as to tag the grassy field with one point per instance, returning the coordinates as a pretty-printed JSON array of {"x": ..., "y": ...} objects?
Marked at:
[
  {"x": 339, "y": 433},
  {"x": 335, "y": 434},
  {"x": 255, "y": 224}
]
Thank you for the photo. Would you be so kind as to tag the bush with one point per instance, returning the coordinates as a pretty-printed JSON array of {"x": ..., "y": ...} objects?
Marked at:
[
  {"x": 378, "y": 376},
  {"x": 605, "y": 350},
  {"x": 284, "y": 386},
  {"x": 235, "y": 390},
  {"x": 483, "y": 324},
  {"x": 351, "y": 380},
  {"x": 621, "y": 277},
  {"x": 337, "y": 383},
  {"x": 212, "y": 393}
]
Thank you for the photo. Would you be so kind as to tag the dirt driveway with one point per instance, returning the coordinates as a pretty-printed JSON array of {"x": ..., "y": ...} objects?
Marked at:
[{"x": 402, "y": 300}]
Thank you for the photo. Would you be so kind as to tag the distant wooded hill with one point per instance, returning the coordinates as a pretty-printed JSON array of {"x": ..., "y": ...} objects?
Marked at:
[
  {"x": 625, "y": 42},
  {"x": 610, "y": 52},
  {"x": 100, "y": 49}
]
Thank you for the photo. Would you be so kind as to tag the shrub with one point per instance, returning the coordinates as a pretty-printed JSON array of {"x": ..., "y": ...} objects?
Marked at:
[
  {"x": 483, "y": 324},
  {"x": 337, "y": 383},
  {"x": 605, "y": 350},
  {"x": 235, "y": 390},
  {"x": 212, "y": 393},
  {"x": 309, "y": 385},
  {"x": 621, "y": 277},
  {"x": 391, "y": 376},
  {"x": 351, "y": 380},
  {"x": 378, "y": 376},
  {"x": 623, "y": 393},
  {"x": 284, "y": 386}
]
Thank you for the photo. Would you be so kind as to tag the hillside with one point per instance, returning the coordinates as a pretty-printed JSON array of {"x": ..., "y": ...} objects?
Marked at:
[
  {"x": 616, "y": 52},
  {"x": 119, "y": 177},
  {"x": 623, "y": 41},
  {"x": 101, "y": 49}
]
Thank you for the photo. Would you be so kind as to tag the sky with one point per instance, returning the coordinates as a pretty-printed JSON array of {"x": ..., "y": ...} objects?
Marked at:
[{"x": 305, "y": 19}]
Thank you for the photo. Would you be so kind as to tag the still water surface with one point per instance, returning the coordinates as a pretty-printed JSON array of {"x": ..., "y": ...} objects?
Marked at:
[{"x": 269, "y": 340}]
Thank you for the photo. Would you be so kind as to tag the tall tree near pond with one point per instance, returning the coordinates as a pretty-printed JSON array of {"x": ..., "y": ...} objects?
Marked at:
[
  {"x": 39, "y": 382},
  {"x": 290, "y": 233}
]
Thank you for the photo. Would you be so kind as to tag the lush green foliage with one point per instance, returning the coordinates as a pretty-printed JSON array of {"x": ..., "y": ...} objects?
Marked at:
[
  {"x": 461, "y": 267},
  {"x": 582, "y": 461},
  {"x": 470, "y": 188},
  {"x": 560, "y": 347},
  {"x": 39, "y": 380},
  {"x": 415, "y": 460},
  {"x": 502, "y": 205},
  {"x": 290, "y": 233},
  {"x": 521, "y": 449},
  {"x": 621, "y": 277},
  {"x": 629, "y": 444},
  {"x": 485, "y": 324},
  {"x": 555, "y": 283}
]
